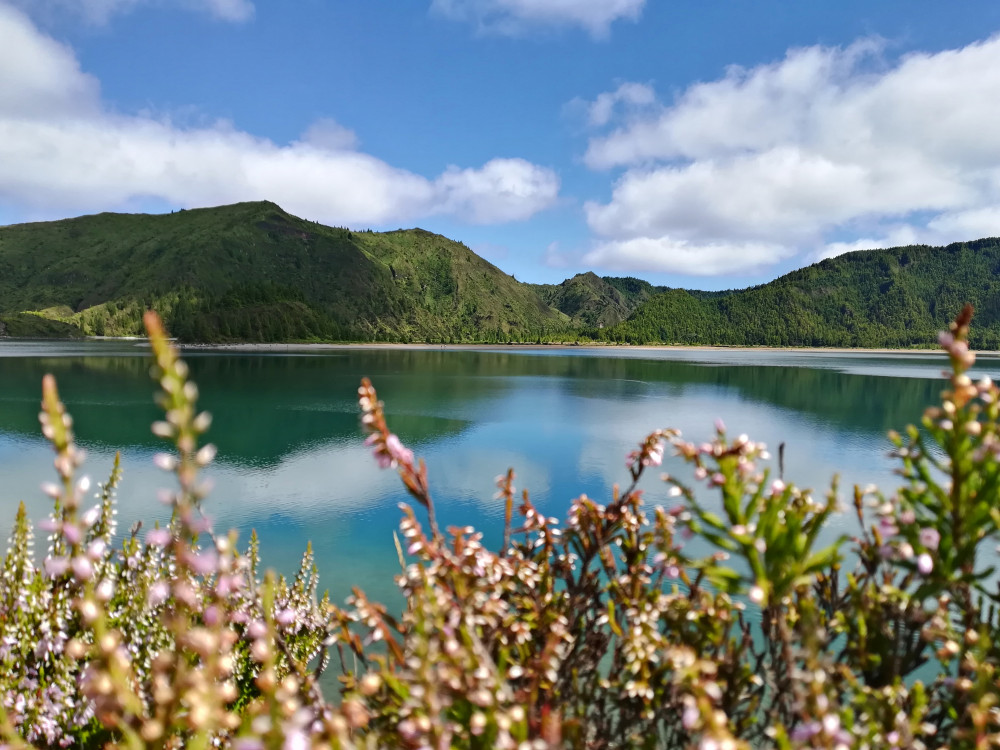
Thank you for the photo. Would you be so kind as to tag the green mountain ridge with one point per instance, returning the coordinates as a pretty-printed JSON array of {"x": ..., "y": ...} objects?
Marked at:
[
  {"x": 896, "y": 298},
  {"x": 253, "y": 272}
]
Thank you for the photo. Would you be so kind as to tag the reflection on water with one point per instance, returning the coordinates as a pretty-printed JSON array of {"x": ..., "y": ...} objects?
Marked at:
[{"x": 292, "y": 464}]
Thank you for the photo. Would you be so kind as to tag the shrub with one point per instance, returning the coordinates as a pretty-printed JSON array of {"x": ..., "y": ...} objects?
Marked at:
[{"x": 605, "y": 631}]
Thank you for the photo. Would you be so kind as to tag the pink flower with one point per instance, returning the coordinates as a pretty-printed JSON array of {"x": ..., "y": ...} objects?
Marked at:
[
  {"x": 655, "y": 456},
  {"x": 690, "y": 717},
  {"x": 888, "y": 526},
  {"x": 930, "y": 538},
  {"x": 203, "y": 563},
  {"x": 158, "y": 593},
  {"x": 158, "y": 537},
  {"x": 95, "y": 551},
  {"x": 398, "y": 451},
  {"x": 56, "y": 566},
  {"x": 925, "y": 564},
  {"x": 49, "y": 524},
  {"x": 83, "y": 569},
  {"x": 165, "y": 461},
  {"x": 72, "y": 533},
  {"x": 90, "y": 517}
]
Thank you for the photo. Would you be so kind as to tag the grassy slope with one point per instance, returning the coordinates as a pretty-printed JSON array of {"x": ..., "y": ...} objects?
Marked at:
[
  {"x": 898, "y": 297},
  {"x": 28, "y": 326},
  {"x": 456, "y": 294},
  {"x": 251, "y": 271}
]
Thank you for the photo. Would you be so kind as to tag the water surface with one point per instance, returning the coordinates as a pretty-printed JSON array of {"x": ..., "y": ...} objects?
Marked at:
[{"x": 292, "y": 465}]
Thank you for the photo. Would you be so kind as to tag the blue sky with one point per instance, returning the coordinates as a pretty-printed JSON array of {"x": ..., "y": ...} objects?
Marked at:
[{"x": 697, "y": 144}]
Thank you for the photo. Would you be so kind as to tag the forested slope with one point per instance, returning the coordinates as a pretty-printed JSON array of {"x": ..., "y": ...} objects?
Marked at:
[
  {"x": 898, "y": 297},
  {"x": 252, "y": 272}
]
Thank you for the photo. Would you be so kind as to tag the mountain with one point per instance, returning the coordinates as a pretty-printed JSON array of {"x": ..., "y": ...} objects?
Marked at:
[
  {"x": 899, "y": 297},
  {"x": 253, "y": 272},
  {"x": 595, "y": 302}
]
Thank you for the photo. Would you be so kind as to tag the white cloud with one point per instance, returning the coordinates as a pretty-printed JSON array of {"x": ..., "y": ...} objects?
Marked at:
[
  {"x": 515, "y": 17},
  {"x": 975, "y": 222},
  {"x": 62, "y": 151},
  {"x": 633, "y": 96},
  {"x": 100, "y": 11},
  {"x": 899, "y": 236},
  {"x": 41, "y": 77},
  {"x": 766, "y": 162},
  {"x": 501, "y": 190},
  {"x": 327, "y": 133},
  {"x": 680, "y": 256}
]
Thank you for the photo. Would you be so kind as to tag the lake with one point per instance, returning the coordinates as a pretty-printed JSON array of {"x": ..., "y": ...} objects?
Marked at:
[{"x": 292, "y": 464}]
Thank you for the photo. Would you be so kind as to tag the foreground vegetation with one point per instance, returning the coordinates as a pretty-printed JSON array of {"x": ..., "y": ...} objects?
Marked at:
[{"x": 614, "y": 628}]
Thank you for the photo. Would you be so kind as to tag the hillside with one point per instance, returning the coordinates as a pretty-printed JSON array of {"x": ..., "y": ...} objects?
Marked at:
[
  {"x": 596, "y": 302},
  {"x": 253, "y": 272},
  {"x": 899, "y": 297}
]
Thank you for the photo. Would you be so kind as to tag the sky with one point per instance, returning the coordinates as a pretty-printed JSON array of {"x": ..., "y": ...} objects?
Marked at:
[{"x": 708, "y": 144}]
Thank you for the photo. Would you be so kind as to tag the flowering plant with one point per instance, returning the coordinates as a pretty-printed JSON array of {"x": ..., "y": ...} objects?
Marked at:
[{"x": 612, "y": 629}]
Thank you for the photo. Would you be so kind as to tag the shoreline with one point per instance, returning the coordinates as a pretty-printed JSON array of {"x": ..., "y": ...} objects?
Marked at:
[
  {"x": 306, "y": 347},
  {"x": 302, "y": 347}
]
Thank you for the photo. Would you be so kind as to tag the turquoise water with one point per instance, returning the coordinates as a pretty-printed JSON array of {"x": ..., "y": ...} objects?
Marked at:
[{"x": 292, "y": 464}]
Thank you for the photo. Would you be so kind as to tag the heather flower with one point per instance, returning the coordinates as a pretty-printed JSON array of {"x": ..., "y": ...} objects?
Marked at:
[
  {"x": 158, "y": 537},
  {"x": 605, "y": 631},
  {"x": 929, "y": 538},
  {"x": 925, "y": 564},
  {"x": 56, "y": 566}
]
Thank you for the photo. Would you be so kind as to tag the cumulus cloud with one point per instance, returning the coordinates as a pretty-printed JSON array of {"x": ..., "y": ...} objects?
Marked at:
[
  {"x": 100, "y": 11},
  {"x": 766, "y": 162},
  {"x": 62, "y": 151},
  {"x": 501, "y": 190},
  {"x": 41, "y": 77},
  {"x": 665, "y": 254},
  {"x": 898, "y": 236},
  {"x": 513, "y": 17}
]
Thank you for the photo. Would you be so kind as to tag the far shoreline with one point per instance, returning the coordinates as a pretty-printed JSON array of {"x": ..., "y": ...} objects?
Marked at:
[
  {"x": 374, "y": 346},
  {"x": 249, "y": 347}
]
